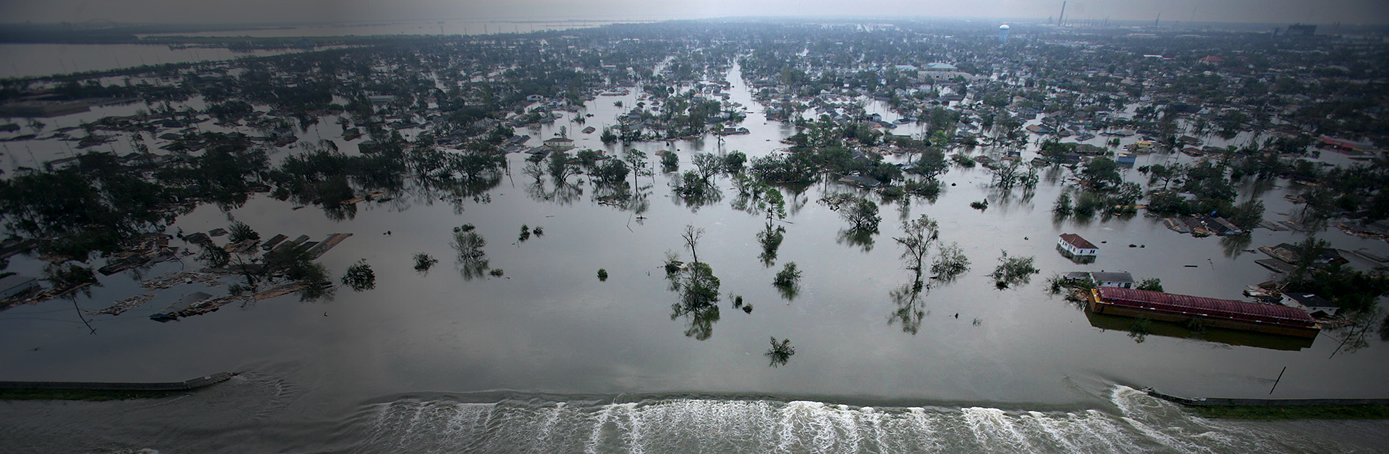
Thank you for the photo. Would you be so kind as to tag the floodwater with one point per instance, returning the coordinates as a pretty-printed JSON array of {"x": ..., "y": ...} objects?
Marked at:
[
  {"x": 419, "y": 27},
  {"x": 549, "y": 358},
  {"x": 34, "y": 60}
]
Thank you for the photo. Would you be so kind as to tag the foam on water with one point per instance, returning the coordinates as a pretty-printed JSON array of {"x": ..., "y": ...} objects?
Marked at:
[{"x": 1137, "y": 423}]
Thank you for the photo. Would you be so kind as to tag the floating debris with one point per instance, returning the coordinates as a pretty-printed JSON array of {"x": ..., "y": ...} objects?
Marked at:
[
  {"x": 321, "y": 248},
  {"x": 196, "y": 304},
  {"x": 173, "y": 278},
  {"x": 126, "y": 304},
  {"x": 274, "y": 241},
  {"x": 281, "y": 290}
]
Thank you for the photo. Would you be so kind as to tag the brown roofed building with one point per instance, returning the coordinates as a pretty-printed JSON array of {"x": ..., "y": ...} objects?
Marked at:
[{"x": 1077, "y": 248}]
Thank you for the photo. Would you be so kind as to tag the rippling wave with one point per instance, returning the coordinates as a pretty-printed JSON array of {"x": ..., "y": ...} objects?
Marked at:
[
  {"x": 260, "y": 413},
  {"x": 1139, "y": 423}
]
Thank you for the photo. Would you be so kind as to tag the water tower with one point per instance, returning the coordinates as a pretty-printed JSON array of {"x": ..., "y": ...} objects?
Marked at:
[{"x": 1003, "y": 34}]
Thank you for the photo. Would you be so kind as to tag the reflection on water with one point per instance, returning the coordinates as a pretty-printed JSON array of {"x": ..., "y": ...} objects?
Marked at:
[
  {"x": 1196, "y": 332},
  {"x": 472, "y": 260},
  {"x": 908, "y": 303},
  {"x": 34, "y": 60},
  {"x": 559, "y": 330},
  {"x": 1234, "y": 245},
  {"x": 857, "y": 239}
]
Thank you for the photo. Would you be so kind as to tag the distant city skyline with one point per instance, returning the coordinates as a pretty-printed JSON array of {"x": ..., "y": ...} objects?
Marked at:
[{"x": 303, "y": 11}]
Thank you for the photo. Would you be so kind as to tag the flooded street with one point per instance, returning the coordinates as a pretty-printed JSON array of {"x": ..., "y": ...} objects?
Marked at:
[{"x": 549, "y": 357}]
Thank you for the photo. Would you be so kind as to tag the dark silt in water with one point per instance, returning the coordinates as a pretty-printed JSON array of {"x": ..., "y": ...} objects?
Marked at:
[{"x": 548, "y": 358}]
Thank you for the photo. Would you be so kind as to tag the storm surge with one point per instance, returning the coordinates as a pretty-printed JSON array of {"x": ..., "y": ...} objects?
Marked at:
[{"x": 1134, "y": 423}]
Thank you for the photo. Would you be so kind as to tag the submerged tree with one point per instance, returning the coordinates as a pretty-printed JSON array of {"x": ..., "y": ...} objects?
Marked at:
[
  {"x": 907, "y": 301},
  {"x": 1013, "y": 271},
  {"x": 920, "y": 234},
  {"x": 862, "y": 216},
  {"x": 359, "y": 276},
  {"x": 691, "y": 236},
  {"x": 472, "y": 261},
  {"x": 780, "y": 352},
  {"x": 1062, "y": 208},
  {"x": 699, "y": 298},
  {"x": 423, "y": 262},
  {"x": 770, "y": 240},
  {"x": 787, "y": 281},
  {"x": 670, "y": 162},
  {"x": 950, "y": 263}
]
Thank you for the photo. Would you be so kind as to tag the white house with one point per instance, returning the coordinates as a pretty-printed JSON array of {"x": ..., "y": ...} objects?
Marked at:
[
  {"x": 559, "y": 143},
  {"x": 1313, "y": 304},
  {"x": 1121, "y": 279},
  {"x": 1076, "y": 247},
  {"x": 15, "y": 284}
]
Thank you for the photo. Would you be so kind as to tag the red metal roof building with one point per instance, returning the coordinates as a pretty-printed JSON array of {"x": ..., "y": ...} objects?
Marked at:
[{"x": 1232, "y": 314}]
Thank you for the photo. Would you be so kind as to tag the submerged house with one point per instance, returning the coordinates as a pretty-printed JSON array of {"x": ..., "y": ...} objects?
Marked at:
[
  {"x": 1211, "y": 312},
  {"x": 1313, "y": 304},
  {"x": 860, "y": 181},
  {"x": 559, "y": 144},
  {"x": 1120, "y": 279},
  {"x": 1077, "y": 248},
  {"x": 15, "y": 284}
]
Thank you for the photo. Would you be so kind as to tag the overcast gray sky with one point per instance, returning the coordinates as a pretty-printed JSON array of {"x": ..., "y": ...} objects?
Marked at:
[{"x": 265, "y": 11}]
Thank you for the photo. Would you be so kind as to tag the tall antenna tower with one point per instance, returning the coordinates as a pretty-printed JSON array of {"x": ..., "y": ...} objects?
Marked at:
[{"x": 1061, "y": 19}]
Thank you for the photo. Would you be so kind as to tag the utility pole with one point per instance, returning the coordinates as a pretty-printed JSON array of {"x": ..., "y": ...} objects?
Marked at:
[{"x": 1275, "y": 382}]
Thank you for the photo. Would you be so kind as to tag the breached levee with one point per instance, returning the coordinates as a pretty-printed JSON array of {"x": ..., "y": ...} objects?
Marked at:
[{"x": 1134, "y": 422}]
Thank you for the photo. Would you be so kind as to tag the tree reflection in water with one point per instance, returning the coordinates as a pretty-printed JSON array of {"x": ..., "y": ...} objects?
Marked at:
[
  {"x": 697, "y": 286},
  {"x": 562, "y": 193},
  {"x": 1234, "y": 245},
  {"x": 908, "y": 301},
  {"x": 780, "y": 352},
  {"x": 699, "y": 298},
  {"x": 919, "y": 237},
  {"x": 861, "y": 239},
  {"x": 472, "y": 261}
]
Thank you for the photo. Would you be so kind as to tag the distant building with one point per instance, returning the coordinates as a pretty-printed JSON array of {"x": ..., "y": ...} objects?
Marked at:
[
  {"x": 1313, "y": 304},
  {"x": 1211, "y": 59},
  {"x": 1077, "y": 248},
  {"x": 15, "y": 284},
  {"x": 559, "y": 143}
]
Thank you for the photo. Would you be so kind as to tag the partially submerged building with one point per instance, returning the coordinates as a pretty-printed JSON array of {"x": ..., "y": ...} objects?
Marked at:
[
  {"x": 15, "y": 284},
  {"x": 1313, "y": 304},
  {"x": 1121, "y": 279},
  {"x": 1076, "y": 248},
  {"x": 1211, "y": 312}
]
